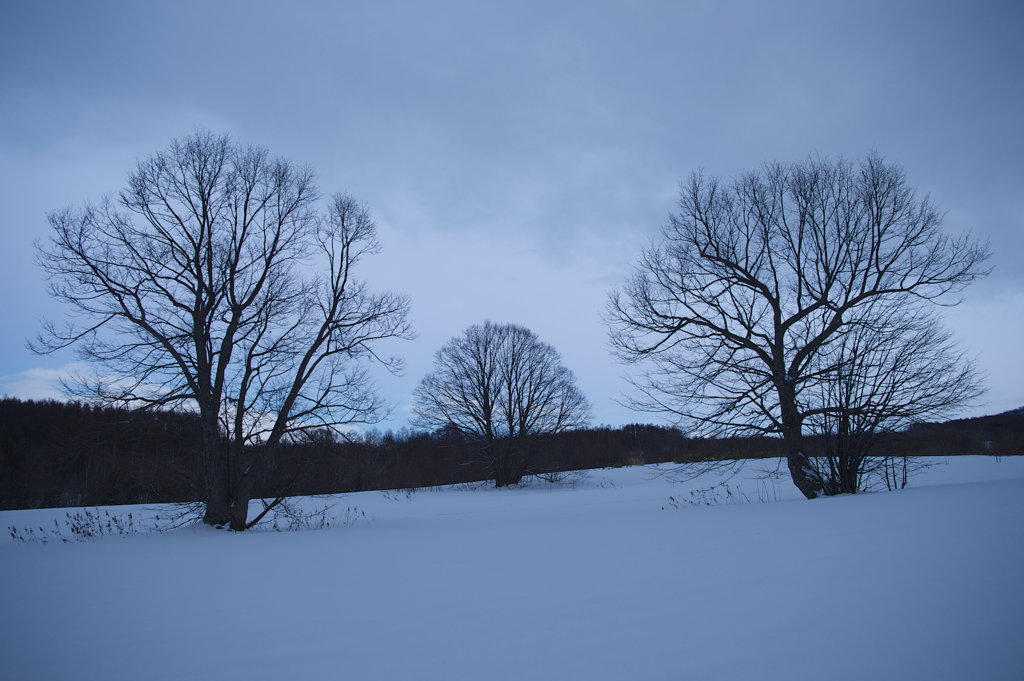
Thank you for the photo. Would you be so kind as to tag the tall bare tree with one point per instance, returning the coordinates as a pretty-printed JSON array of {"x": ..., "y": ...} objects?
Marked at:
[
  {"x": 740, "y": 313},
  {"x": 216, "y": 282},
  {"x": 503, "y": 389}
]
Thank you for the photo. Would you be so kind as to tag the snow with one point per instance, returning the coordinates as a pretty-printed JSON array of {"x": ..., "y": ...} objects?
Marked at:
[{"x": 615, "y": 577}]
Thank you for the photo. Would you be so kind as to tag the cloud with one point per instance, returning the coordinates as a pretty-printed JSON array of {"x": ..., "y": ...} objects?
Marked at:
[
  {"x": 39, "y": 383},
  {"x": 517, "y": 158}
]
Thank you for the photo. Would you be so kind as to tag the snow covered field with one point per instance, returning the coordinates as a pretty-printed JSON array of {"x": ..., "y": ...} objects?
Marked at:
[{"x": 616, "y": 577}]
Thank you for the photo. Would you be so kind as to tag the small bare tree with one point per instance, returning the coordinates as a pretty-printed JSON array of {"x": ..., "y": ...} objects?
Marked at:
[
  {"x": 501, "y": 388},
  {"x": 214, "y": 283},
  {"x": 897, "y": 368},
  {"x": 741, "y": 313}
]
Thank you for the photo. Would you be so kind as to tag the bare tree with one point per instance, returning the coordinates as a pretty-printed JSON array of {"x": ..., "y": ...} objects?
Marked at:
[
  {"x": 215, "y": 283},
  {"x": 897, "y": 368},
  {"x": 741, "y": 312},
  {"x": 501, "y": 388}
]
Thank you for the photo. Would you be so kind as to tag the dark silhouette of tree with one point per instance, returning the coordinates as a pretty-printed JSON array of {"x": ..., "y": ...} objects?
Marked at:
[
  {"x": 218, "y": 282},
  {"x": 742, "y": 312},
  {"x": 880, "y": 378},
  {"x": 499, "y": 386}
]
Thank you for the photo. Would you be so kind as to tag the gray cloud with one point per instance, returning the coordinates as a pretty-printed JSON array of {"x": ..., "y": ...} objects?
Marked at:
[{"x": 518, "y": 157}]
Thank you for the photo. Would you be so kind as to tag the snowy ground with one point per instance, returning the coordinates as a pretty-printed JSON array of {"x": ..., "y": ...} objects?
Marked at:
[{"x": 616, "y": 577}]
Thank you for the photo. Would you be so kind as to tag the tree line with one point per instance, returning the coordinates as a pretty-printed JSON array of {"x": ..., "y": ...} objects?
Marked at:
[
  {"x": 73, "y": 454},
  {"x": 62, "y": 454}
]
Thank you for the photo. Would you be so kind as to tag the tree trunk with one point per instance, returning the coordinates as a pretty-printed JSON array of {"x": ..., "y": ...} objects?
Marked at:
[
  {"x": 501, "y": 466},
  {"x": 510, "y": 465},
  {"x": 244, "y": 482},
  {"x": 239, "y": 512},
  {"x": 805, "y": 477},
  {"x": 216, "y": 478}
]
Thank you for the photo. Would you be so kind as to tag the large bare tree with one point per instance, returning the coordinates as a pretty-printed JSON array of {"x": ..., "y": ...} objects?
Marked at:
[
  {"x": 760, "y": 291},
  {"x": 503, "y": 389},
  {"x": 218, "y": 281}
]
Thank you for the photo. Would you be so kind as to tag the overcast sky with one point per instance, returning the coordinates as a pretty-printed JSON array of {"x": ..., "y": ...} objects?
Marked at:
[{"x": 517, "y": 156}]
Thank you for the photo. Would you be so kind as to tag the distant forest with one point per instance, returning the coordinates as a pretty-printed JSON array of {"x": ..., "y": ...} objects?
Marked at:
[{"x": 57, "y": 454}]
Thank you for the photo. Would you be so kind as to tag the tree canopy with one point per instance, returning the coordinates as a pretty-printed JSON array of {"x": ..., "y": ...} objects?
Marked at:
[
  {"x": 218, "y": 281},
  {"x": 501, "y": 387},
  {"x": 761, "y": 291}
]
